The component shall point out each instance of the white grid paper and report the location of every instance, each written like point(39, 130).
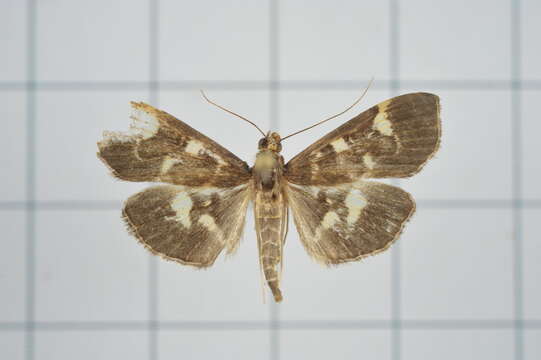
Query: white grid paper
point(461, 283)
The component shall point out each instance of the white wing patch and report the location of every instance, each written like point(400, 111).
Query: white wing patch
point(208, 221)
point(368, 161)
point(381, 122)
point(144, 124)
point(330, 219)
point(168, 163)
point(195, 147)
point(339, 145)
point(182, 204)
point(355, 203)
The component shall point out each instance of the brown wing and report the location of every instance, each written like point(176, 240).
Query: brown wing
point(187, 225)
point(161, 148)
point(393, 139)
point(348, 222)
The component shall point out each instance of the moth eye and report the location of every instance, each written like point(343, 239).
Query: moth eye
point(263, 143)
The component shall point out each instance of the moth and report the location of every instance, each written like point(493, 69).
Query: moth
point(200, 208)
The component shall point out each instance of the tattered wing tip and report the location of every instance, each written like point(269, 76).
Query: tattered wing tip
point(138, 104)
point(142, 106)
point(110, 137)
point(140, 128)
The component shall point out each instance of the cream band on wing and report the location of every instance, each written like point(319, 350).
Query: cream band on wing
point(355, 203)
point(168, 163)
point(381, 122)
point(196, 147)
point(330, 219)
point(182, 204)
point(368, 160)
point(339, 145)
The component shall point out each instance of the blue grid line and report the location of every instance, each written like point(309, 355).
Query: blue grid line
point(396, 293)
point(516, 132)
point(30, 179)
point(153, 279)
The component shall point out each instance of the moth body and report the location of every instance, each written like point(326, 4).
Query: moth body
point(270, 209)
point(197, 209)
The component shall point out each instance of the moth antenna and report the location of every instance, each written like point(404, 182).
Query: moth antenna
point(231, 112)
point(334, 116)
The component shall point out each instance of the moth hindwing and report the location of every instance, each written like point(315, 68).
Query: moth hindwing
point(339, 214)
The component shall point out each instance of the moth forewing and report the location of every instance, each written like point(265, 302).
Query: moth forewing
point(160, 148)
point(393, 139)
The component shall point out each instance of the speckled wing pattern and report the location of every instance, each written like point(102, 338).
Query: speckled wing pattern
point(201, 210)
point(342, 217)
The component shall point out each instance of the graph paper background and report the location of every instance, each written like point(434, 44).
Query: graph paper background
point(463, 281)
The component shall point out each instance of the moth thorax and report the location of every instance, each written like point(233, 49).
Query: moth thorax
point(266, 160)
point(266, 168)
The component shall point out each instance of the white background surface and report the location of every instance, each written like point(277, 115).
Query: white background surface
point(461, 283)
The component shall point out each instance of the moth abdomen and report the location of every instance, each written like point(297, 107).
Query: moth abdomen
point(270, 252)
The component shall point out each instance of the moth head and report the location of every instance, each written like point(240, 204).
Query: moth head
point(271, 141)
